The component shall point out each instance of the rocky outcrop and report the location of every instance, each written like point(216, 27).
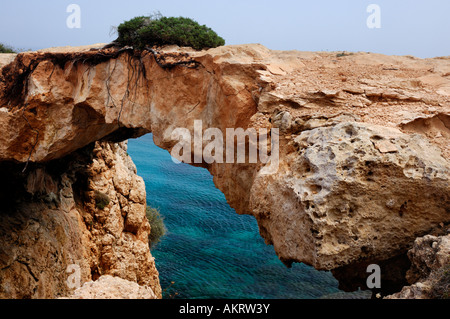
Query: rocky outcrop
point(430, 270)
point(119, 242)
point(108, 287)
point(56, 235)
point(348, 192)
point(364, 146)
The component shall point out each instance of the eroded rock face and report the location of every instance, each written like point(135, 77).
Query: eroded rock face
point(109, 287)
point(349, 192)
point(52, 220)
point(364, 146)
point(429, 274)
point(121, 229)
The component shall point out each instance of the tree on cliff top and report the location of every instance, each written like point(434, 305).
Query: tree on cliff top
point(144, 31)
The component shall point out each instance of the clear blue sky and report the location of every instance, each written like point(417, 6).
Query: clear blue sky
point(416, 27)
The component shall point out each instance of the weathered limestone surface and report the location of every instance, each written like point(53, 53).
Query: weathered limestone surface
point(108, 287)
point(364, 140)
point(429, 274)
point(54, 225)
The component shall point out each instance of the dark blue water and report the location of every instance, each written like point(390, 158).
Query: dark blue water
point(210, 251)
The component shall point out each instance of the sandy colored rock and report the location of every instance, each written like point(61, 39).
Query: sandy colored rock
point(62, 227)
point(108, 287)
point(338, 199)
point(121, 237)
point(430, 258)
point(364, 139)
point(6, 58)
point(386, 147)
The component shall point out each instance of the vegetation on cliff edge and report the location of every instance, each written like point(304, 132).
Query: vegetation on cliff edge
point(101, 200)
point(158, 229)
point(143, 31)
point(6, 49)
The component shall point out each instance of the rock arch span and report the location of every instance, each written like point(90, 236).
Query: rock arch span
point(347, 191)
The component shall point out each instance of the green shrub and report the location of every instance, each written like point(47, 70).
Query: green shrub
point(340, 55)
point(101, 200)
point(144, 31)
point(6, 49)
point(158, 229)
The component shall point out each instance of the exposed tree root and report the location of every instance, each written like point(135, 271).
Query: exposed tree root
point(36, 141)
point(14, 77)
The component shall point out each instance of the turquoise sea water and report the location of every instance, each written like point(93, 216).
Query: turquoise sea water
point(210, 251)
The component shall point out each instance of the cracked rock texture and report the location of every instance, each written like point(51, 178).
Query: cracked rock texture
point(340, 197)
point(364, 141)
point(55, 222)
point(108, 287)
point(429, 274)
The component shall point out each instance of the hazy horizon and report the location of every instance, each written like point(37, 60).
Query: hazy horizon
point(408, 27)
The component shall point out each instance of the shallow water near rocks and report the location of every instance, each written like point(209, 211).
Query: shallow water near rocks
point(210, 251)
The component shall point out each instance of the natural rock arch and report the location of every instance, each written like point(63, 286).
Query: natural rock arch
point(346, 191)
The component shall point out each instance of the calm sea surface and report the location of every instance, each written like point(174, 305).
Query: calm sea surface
point(210, 251)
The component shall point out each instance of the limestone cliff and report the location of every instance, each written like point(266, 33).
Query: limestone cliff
point(429, 274)
point(364, 149)
point(52, 224)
